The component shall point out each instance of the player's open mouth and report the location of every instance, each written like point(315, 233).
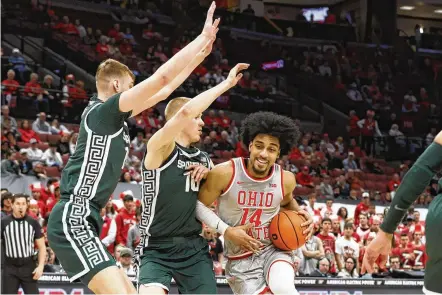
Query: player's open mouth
point(261, 161)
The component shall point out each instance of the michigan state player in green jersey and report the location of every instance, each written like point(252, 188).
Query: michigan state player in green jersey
point(93, 171)
point(413, 184)
point(171, 245)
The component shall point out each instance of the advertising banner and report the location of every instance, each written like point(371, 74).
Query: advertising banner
point(58, 284)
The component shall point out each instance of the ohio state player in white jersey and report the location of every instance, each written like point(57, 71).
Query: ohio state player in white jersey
point(253, 191)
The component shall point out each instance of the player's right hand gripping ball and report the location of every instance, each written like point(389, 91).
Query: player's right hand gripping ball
point(286, 231)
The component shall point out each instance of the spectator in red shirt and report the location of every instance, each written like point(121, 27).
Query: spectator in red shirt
point(33, 88)
point(115, 32)
point(45, 192)
point(125, 218)
point(295, 154)
point(80, 93)
point(50, 203)
point(395, 180)
point(328, 240)
point(102, 48)
point(420, 255)
point(405, 252)
point(150, 33)
point(353, 129)
point(126, 47)
point(200, 70)
point(224, 121)
point(362, 207)
point(357, 151)
point(27, 133)
point(66, 27)
point(36, 195)
point(10, 86)
point(210, 118)
point(304, 178)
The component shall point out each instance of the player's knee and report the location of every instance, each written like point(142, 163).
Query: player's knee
point(282, 279)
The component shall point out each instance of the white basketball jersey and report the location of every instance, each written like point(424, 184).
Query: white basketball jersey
point(251, 200)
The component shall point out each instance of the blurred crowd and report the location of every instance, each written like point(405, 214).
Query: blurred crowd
point(388, 95)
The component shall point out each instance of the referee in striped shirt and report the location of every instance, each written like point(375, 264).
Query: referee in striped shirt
point(19, 235)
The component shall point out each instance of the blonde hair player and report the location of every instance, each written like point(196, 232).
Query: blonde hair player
point(92, 172)
point(170, 244)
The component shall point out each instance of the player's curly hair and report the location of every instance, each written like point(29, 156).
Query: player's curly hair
point(281, 127)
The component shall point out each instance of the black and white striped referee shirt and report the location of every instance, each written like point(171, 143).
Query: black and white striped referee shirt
point(18, 236)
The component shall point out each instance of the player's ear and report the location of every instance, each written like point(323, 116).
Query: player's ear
point(116, 85)
point(250, 146)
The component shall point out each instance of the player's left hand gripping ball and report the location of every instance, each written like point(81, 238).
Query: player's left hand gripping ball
point(308, 232)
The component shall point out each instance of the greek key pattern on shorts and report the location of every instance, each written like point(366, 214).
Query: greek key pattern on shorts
point(80, 232)
point(148, 195)
point(94, 160)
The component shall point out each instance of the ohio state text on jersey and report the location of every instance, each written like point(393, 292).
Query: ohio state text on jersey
point(251, 200)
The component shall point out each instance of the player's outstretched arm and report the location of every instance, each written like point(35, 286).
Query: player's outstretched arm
point(177, 81)
point(161, 144)
point(142, 93)
point(412, 185)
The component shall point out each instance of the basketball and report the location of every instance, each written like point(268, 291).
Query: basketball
point(286, 231)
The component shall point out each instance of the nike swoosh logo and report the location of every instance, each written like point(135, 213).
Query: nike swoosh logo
point(398, 208)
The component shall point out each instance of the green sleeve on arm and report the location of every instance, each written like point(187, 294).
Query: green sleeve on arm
point(106, 119)
point(413, 184)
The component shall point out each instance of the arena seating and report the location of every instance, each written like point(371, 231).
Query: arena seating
point(319, 70)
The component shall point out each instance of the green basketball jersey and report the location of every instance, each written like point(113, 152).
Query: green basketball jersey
point(169, 196)
point(93, 171)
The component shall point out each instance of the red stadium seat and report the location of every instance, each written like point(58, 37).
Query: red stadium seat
point(53, 138)
point(52, 172)
point(23, 145)
point(43, 146)
point(43, 137)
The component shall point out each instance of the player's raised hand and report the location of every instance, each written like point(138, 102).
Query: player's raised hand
point(308, 232)
point(198, 172)
point(235, 75)
point(210, 27)
point(238, 235)
point(379, 247)
point(207, 49)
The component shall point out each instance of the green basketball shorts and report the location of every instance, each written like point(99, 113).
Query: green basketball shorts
point(73, 233)
point(186, 260)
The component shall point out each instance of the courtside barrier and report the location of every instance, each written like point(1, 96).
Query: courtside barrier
point(58, 284)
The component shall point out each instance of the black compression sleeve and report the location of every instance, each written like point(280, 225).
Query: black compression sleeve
point(413, 184)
